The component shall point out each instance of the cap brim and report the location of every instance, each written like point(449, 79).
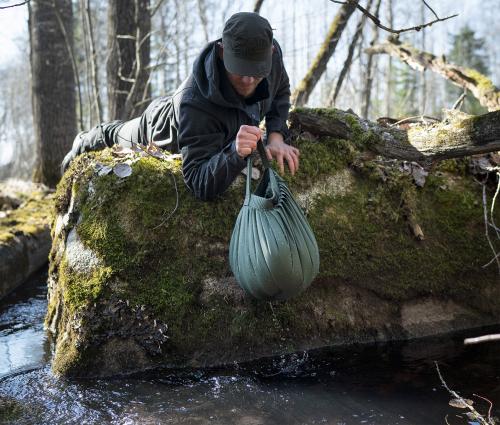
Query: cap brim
point(247, 67)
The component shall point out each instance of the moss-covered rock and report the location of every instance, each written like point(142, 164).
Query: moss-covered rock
point(10, 410)
point(24, 232)
point(150, 284)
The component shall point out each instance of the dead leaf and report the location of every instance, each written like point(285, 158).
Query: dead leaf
point(122, 170)
point(120, 151)
point(460, 403)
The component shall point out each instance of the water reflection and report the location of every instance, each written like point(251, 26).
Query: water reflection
point(383, 384)
point(23, 343)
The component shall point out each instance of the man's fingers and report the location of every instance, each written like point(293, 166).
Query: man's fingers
point(269, 154)
point(291, 163)
point(295, 159)
point(281, 167)
point(252, 130)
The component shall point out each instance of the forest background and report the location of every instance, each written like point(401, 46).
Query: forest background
point(179, 30)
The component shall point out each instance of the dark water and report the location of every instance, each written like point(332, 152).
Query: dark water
point(381, 384)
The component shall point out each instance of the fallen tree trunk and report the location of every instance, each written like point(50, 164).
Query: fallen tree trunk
point(478, 84)
point(457, 136)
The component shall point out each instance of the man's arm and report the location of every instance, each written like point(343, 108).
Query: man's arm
point(209, 165)
point(277, 129)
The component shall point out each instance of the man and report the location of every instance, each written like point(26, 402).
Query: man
point(213, 117)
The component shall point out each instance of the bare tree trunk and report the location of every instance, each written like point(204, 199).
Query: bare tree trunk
point(257, 6)
point(93, 63)
point(53, 86)
point(129, 28)
point(479, 85)
point(203, 18)
point(369, 70)
point(347, 64)
point(460, 135)
point(423, 89)
point(389, 86)
point(306, 86)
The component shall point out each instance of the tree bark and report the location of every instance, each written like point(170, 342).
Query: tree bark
point(458, 136)
point(478, 84)
point(306, 86)
point(94, 71)
point(129, 27)
point(257, 6)
point(367, 91)
point(53, 86)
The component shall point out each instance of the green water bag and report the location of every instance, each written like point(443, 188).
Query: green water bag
point(273, 252)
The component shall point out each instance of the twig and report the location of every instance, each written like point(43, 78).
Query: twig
point(491, 405)
point(15, 5)
point(155, 8)
point(493, 202)
point(487, 233)
point(417, 117)
point(479, 339)
point(430, 8)
point(391, 30)
point(479, 417)
point(459, 101)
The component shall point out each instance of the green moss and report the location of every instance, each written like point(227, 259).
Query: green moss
point(31, 218)
point(482, 81)
point(160, 243)
point(10, 410)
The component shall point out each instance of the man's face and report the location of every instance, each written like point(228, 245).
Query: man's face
point(243, 85)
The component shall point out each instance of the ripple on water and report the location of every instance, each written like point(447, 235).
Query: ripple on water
point(382, 384)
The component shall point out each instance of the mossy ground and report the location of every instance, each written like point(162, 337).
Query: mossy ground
point(10, 410)
point(30, 218)
point(160, 244)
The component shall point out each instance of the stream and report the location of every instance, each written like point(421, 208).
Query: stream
point(394, 383)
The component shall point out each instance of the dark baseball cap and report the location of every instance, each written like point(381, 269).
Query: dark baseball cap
point(248, 45)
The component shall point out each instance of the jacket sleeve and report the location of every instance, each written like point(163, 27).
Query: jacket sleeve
point(278, 113)
point(209, 163)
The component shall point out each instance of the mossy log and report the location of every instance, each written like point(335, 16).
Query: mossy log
point(457, 136)
point(478, 84)
point(139, 274)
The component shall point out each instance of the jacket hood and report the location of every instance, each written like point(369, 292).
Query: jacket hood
point(213, 86)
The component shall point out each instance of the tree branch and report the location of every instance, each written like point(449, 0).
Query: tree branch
point(478, 84)
point(15, 5)
point(391, 30)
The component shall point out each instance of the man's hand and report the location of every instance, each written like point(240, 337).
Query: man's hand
point(246, 140)
point(277, 148)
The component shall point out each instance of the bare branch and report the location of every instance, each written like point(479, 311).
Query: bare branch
point(155, 8)
point(477, 415)
point(484, 338)
point(459, 101)
point(490, 403)
point(430, 8)
point(15, 5)
point(257, 6)
point(391, 30)
point(486, 230)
